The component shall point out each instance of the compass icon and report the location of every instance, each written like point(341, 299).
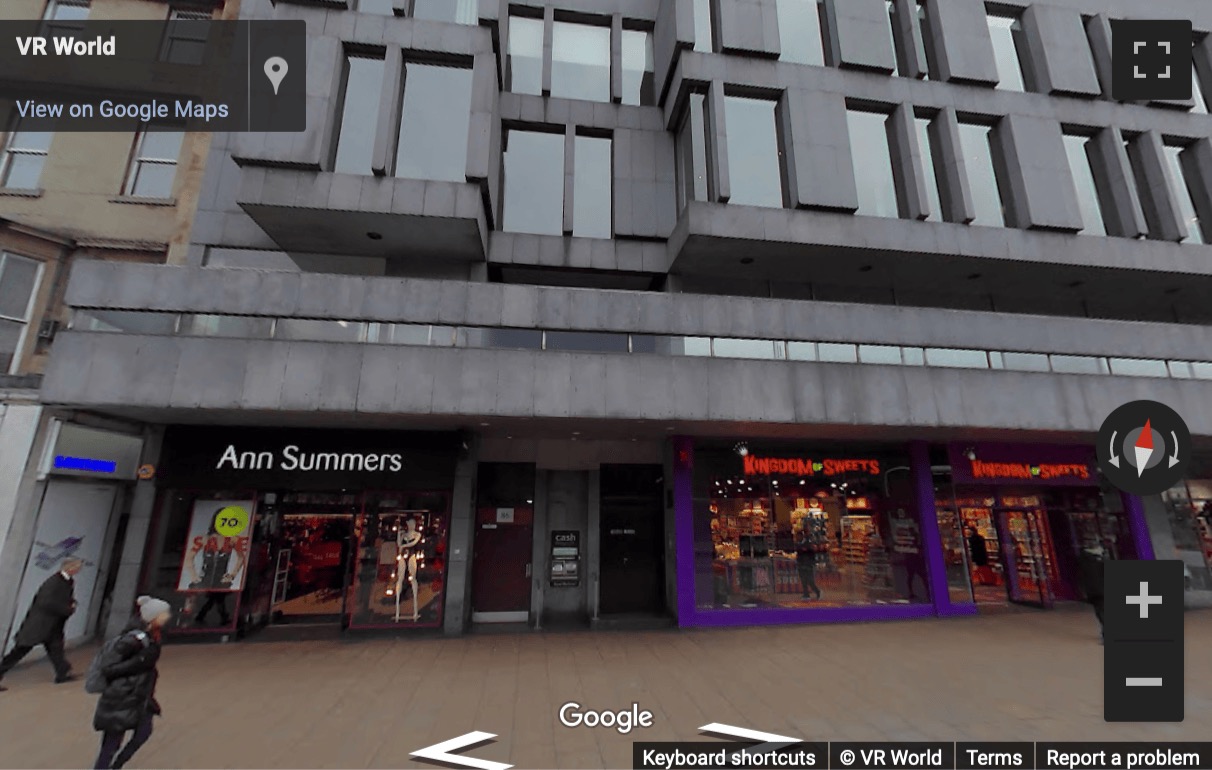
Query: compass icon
point(1143, 447)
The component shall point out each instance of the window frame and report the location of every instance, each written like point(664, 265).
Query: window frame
point(51, 23)
point(138, 161)
point(898, 203)
point(348, 53)
point(421, 59)
point(30, 304)
point(7, 151)
point(1022, 70)
point(176, 13)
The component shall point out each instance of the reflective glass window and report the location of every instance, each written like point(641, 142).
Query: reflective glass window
point(580, 61)
point(982, 178)
point(800, 32)
point(359, 114)
point(525, 55)
point(872, 162)
point(534, 183)
point(1005, 30)
point(702, 26)
point(591, 190)
point(434, 123)
point(24, 155)
point(753, 147)
point(456, 11)
point(638, 85)
point(1083, 182)
point(589, 342)
point(692, 154)
point(1179, 187)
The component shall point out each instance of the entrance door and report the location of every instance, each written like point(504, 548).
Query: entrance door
point(312, 558)
point(1028, 550)
point(501, 564)
point(633, 532)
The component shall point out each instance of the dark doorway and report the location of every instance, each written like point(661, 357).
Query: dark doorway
point(504, 542)
point(633, 534)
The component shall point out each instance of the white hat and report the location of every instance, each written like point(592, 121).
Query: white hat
point(151, 608)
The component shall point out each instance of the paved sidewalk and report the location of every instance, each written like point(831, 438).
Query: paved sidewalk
point(368, 703)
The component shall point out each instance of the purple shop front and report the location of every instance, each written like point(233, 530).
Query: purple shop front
point(781, 532)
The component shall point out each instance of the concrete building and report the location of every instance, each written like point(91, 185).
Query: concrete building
point(67, 197)
point(730, 311)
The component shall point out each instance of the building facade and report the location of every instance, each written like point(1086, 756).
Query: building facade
point(726, 311)
point(67, 197)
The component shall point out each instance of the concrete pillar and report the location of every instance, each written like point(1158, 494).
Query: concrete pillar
point(683, 506)
point(859, 35)
point(570, 158)
point(548, 37)
point(718, 174)
point(911, 194)
point(592, 558)
point(670, 540)
point(954, 190)
point(910, 46)
point(932, 544)
point(1060, 63)
point(391, 96)
point(959, 36)
point(616, 58)
point(539, 559)
point(457, 613)
point(134, 547)
point(1098, 32)
point(1148, 157)
point(1034, 170)
point(1117, 194)
point(815, 139)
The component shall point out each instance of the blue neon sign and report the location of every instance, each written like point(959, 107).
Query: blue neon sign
point(85, 464)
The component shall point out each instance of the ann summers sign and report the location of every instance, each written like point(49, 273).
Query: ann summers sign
point(269, 458)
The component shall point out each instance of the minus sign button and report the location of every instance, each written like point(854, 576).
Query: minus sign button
point(1143, 681)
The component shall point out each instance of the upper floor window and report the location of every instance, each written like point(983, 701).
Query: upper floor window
point(800, 32)
point(872, 163)
point(925, 143)
point(380, 7)
point(692, 153)
point(1180, 188)
point(1083, 181)
point(359, 113)
point(580, 61)
point(982, 177)
point(24, 155)
point(525, 55)
point(1197, 92)
point(533, 199)
point(434, 123)
point(1006, 31)
point(591, 188)
point(753, 152)
point(897, 44)
point(638, 85)
point(185, 37)
point(65, 16)
point(703, 36)
point(18, 282)
point(455, 11)
point(153, 166)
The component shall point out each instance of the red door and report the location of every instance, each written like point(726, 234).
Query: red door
point(500, 566)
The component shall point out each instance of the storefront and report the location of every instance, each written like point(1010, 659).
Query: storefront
point(778, 532)
point(323, 527)
point(1188, 508)
point(1014, 519)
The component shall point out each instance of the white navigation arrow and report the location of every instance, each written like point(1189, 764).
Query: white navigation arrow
point(1114, 456)
point(773, 742)
point(442, 752)
point(1174, 457)
point(1143, 453)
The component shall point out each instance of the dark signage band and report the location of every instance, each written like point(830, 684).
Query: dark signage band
point(1101, 755)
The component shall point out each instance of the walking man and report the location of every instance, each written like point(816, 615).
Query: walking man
point(1091, 562)
point(52, 606)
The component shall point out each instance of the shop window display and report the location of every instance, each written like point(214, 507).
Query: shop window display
point(1189, 509)
point(799, 529)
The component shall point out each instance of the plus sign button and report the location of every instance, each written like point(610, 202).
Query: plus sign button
point(1151, 60)
point(1144, 600)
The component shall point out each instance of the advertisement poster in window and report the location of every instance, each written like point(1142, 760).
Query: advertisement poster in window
point(217, 546)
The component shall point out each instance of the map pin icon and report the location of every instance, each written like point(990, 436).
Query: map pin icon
point(275, 70)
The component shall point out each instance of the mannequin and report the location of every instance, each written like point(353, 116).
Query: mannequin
point(407, 539)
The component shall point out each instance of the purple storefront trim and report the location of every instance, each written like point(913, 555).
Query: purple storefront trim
point(683, 523)
point(769, 616)
point(1135, 510)
point(932, 541)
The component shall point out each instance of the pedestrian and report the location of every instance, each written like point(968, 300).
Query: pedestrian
point(979, 552)
point(1092, 562)
point(48, 613)
point(128, 701)
point(805, 562)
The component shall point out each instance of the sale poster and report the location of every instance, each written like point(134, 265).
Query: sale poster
point(217, 546)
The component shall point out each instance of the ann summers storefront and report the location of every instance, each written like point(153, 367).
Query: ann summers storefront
point(324, 527)
point(786, 532)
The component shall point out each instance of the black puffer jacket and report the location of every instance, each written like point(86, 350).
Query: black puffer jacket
point(130, 690)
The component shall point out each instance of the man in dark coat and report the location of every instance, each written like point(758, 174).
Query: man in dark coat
point(48, 613)
point(1091, 562)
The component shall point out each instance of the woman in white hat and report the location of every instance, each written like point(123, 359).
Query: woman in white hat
point(129, 699)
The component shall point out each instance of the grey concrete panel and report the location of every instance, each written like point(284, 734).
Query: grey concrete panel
point(378, 379)
point(548, 36)
point(1060, 62)
point(959, 35)
point(616, 58)
point(1149, 165)
point(820, 173)
point(1196, 161)
point(719, 186)
point(954, 189)
point(1035, 170)
point(553, 386)
point(911, 194)
point(907, 29)
point(1098, 32)
point(1117, 195)
point(741, 27)
point(570, 145)
point(207, 378)
point(418, 379)
point(860, 35)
